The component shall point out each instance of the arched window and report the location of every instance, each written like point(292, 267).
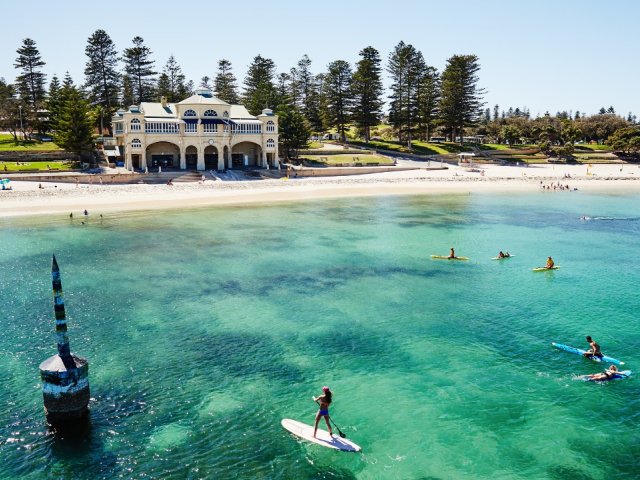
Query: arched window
point(271, 127)
point(189, 113)
point(271, 143)
point(136, 143)
point(210, 113)
point(135, 125)
point(225, 114)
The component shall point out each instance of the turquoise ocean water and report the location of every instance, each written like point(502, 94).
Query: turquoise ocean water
point(205, 328)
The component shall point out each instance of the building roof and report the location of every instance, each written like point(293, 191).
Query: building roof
point(239, 112)
point(156, 110)
point(198, 99)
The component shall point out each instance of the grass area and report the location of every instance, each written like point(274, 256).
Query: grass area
point(313, 145)
point(7, 145)
point(40, 166)
point(420, 148)
point(500, 146)
point(593, 147)
point(342, 159)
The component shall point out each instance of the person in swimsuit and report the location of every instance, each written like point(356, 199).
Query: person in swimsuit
point(608, 374)
point(594, 351)
point(324, 401)
point(503, 255)
point(550, 263)
point(452, 253)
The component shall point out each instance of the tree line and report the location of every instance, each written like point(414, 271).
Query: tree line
point(421, 100)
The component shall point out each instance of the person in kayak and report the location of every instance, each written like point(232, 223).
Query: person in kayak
point(550, 263)
point(594, 350)
point(609, 374)
point(452, 253)
point(324, 401)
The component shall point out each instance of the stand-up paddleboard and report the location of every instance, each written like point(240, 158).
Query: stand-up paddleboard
point(617, 376)
point(579, 351)
point(502, 258)
point(444, 257)
point(542, 269)
point(305, 432)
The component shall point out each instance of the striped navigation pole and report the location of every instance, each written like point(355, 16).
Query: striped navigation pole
point(65, 376)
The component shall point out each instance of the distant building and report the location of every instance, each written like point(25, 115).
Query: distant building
point(199, 133)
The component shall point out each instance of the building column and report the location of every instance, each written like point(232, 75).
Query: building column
point(183, 157)
point(127, 158)
point(200, 165)
point(143, 158)
point(265, 162)
point(276, 157)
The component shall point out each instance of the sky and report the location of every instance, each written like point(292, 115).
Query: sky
point(540, 54)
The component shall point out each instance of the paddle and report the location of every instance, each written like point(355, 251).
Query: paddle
point(342, 435)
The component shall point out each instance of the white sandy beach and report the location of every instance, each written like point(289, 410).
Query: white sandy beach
point(27, 198)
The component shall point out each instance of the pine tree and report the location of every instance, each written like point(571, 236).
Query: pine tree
point(30, 82)
point(9, 110)
point(259, 90)
point(293, 131)
point(225, 84)
point(406, 66)
point(171, 83)
point(205, 82)
point(338, 96)
point(53, 100)
point(139, 69)
point(367, 91)
point(283, 90)
point(428, 99)
point(102, 79)
point(128, 98)
point(308, 93)
point(461, 98)
point(74, 125)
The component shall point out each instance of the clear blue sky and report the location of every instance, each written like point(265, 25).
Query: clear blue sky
point(540, 54)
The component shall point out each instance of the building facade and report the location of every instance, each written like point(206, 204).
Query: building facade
point(199, 133)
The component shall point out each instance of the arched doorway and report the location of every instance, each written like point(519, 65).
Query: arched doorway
point(163, 154)
point(210, 158)
point(191, 157)
point(246, 154)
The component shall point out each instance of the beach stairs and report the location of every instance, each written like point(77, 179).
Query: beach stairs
point(176, 176)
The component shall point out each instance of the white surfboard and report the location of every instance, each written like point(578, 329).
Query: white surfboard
point(323, 438)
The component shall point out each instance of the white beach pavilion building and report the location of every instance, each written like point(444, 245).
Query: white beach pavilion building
point(199, 133)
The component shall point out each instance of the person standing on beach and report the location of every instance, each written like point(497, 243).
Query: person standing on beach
point(324, 401)
point(594, 350)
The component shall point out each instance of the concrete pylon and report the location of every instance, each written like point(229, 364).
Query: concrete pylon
point(65, 376)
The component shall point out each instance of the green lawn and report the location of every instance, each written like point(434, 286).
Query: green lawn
point(593, 147)
point(40, 166)
point(342, 159)
point(500, 146)
point(420, 148)
point(313, 145)
point(7, 144)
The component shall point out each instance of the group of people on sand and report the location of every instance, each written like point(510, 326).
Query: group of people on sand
point(556, 186)
point(594, 351)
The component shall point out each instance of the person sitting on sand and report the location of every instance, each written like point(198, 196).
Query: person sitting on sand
point(608, 374)
point(550, 263)
point(170, 182)
point(594, 350)
point(324, 401)
point(452, 253)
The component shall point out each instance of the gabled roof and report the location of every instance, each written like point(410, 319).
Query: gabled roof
point(156, 110)
point(200, 100)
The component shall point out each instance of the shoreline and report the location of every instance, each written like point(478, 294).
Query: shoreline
point(27, 199)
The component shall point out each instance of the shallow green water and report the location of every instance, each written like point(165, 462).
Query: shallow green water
point(205, 328)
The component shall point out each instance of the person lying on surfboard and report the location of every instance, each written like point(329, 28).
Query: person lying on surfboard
point(594, 351)
point(550, 263)
point(324, 401)
point(452, 253)
point(608, 374)
point(503, 255)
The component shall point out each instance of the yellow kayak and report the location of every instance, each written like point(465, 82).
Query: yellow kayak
point(445, 257)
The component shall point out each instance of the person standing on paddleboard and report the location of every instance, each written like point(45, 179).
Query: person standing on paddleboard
point(452, 253)
point(324, 401)
point(594, 351)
